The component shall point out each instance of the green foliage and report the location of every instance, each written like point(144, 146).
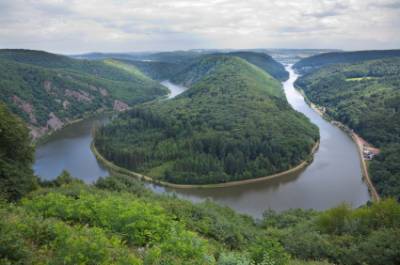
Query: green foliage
point(385, 171)
point(132, 222)
point(232, 258)
point(287, 219)
point(320, 60)
point(180, 248)
point(158, 70)
point(265, 62)
point(27, 239)
point(208, 219)
point(346, 236)
point(308, 262)
point(123, 183)
point(78, 224)
point(268, 252)
point(221, 224)
point(366, 97)
point(63, 179)
point(137, 223)
point(16, 157)
point(34, 84)
point(234, 123)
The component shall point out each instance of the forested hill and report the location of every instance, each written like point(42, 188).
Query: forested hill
point(314, 62)
point(168, 67)
point(233, 123)
point(265, 62)
point(158, 70)
point(200, 67)
point(48, 90)
point(366, 97)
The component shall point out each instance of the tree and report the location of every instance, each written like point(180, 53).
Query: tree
point(16, 157)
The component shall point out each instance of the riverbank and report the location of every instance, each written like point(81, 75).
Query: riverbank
point(356, 139)
point(114, 168)
point(44, 138)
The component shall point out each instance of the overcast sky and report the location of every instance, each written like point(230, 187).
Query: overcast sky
point(77, 26)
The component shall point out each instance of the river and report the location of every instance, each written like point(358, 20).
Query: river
point(333, 177)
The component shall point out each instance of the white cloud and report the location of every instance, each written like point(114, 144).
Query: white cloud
point(72, 26)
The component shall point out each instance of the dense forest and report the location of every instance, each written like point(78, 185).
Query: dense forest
point(158, 70)
point(233, 123)
point(312, 63)
point(263, 61)
point(119, 221)
point(16, 157)
point(47, 90)
point(366, 97)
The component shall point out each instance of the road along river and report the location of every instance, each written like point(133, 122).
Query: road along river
point(333, 177)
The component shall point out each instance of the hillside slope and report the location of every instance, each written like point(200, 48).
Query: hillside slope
point(314, 62)
point(265, 62)
point(48, 90)
point(233, 123)
point(366, 97)
point(158, 70)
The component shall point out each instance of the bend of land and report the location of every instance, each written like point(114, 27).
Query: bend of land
point(232, 124)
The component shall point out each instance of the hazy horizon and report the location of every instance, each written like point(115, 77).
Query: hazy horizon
point(75, 27)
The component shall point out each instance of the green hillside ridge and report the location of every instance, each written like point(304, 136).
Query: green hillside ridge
point(312, 63)
point(366, 97)
point(119, 221)
point(265, 62)
point(162, 70)
point(233, 123)
point(158, 70)
point(49, 90)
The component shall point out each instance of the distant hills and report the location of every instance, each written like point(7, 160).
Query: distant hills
point(49, 90)
point(285, 56)
point(317, 61)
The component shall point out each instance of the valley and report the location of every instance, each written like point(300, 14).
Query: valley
point(307, 212)
point(212, 132)
point(335, 169)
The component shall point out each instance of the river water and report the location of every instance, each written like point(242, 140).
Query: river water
point(333, 177)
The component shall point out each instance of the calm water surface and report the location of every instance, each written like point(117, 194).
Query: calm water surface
point(333, 177)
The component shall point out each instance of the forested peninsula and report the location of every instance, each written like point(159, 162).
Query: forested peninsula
point(233, 123)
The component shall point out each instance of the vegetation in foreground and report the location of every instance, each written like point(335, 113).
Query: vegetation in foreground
point(119, 221)
point(233, 123)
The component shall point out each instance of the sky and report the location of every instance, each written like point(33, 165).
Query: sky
point(79, 26)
